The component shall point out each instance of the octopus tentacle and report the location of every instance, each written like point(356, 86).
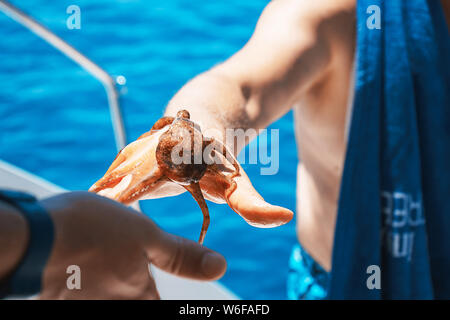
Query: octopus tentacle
point(196, 192)
point(228, 155)
point(161, 123)
point(104, 183)
point(111, 179)
point(120, 157)
point(138, 191)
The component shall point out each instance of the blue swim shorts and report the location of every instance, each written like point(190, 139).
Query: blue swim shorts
point(307, 280)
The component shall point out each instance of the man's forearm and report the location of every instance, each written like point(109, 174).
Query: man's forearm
point(13, 238)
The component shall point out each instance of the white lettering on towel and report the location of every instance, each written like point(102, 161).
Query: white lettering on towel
point(402, 215)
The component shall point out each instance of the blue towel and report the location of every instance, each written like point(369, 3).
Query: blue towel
point(394, 205)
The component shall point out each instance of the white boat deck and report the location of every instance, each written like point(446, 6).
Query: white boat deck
point(169, 286)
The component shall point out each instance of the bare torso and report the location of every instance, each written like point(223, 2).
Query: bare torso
point(320, 124)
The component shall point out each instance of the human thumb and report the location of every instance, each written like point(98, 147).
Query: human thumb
point(186, 258)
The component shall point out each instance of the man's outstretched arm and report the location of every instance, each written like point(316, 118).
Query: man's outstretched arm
point(287, 53)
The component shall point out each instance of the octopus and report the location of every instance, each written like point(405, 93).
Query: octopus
point(175, 156)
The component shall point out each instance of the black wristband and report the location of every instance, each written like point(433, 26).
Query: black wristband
point(27, 278)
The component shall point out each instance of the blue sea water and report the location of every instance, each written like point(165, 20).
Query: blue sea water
point(54, 118)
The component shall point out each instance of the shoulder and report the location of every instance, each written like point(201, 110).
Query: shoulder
point(320, 16)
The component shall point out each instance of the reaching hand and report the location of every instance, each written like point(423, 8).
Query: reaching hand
point(112, 245)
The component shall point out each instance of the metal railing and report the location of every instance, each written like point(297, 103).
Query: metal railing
point(108, 82)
